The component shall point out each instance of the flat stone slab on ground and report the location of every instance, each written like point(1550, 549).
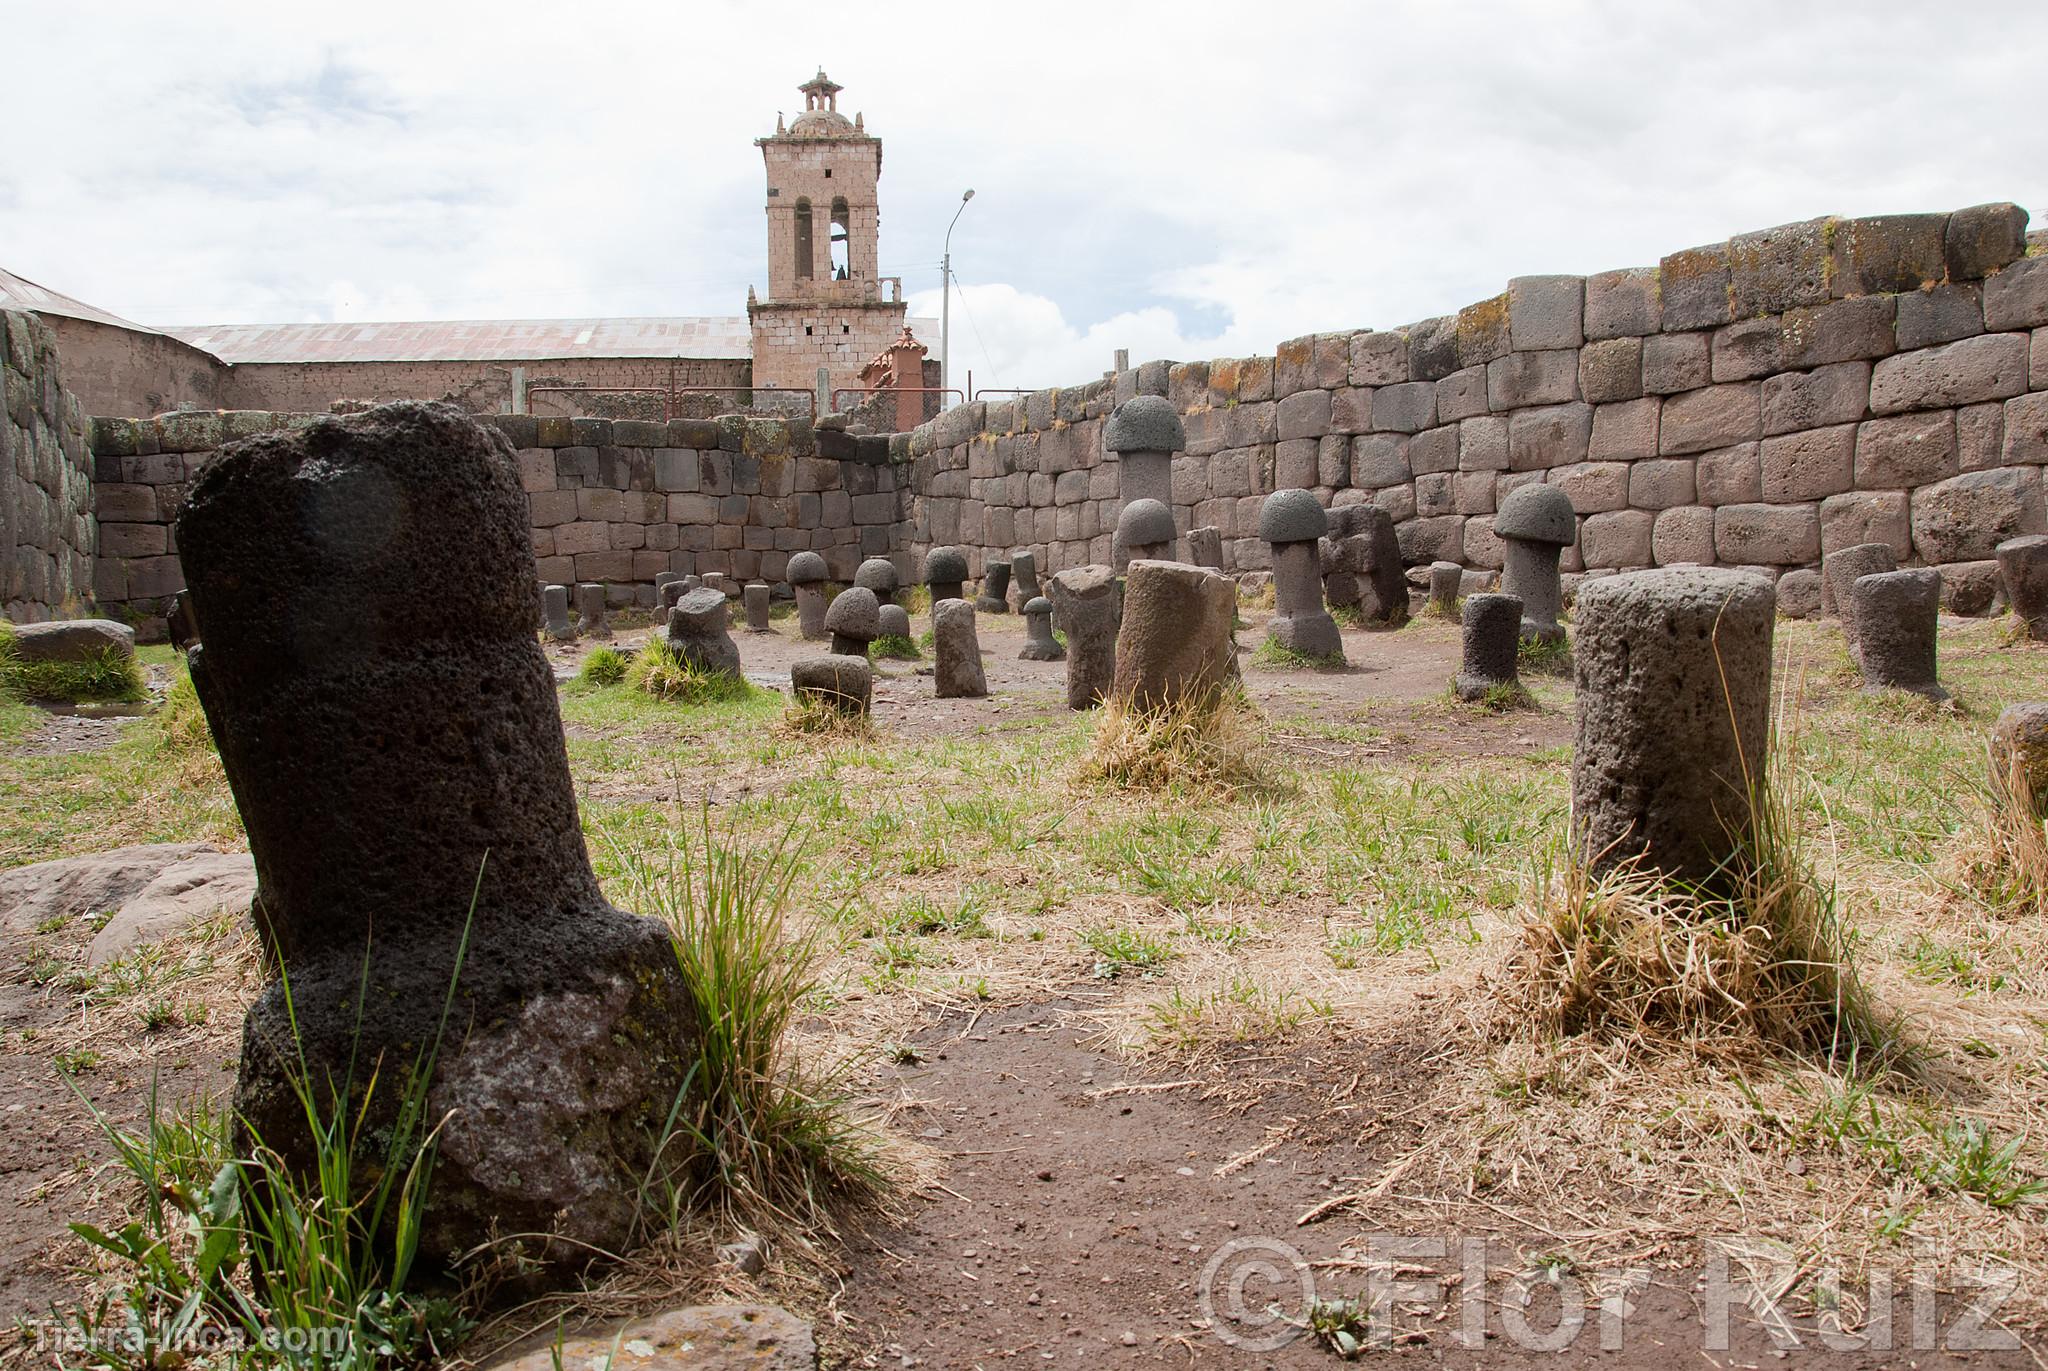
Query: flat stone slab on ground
point(713, 1337)
point(70, 887)
point(182, 895)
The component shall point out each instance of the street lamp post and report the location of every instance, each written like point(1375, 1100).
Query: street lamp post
point(946, 300)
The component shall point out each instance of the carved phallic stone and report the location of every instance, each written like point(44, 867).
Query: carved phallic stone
point(1086, 607)
point(405, 789)
point(853, 621)
point(755, 599)
point(1039, 644)
point(847, 684)
point(1896, 613)
point(807, 576)
point(1145, 431)
point(1537, 524)
point(1361, 561)
point(2023, 568)
point(1492, 638)
point(2019, 751)
point(995, 589)
point(1175, 643)
point(590, 621)
point(892, 621)
point(1665, 752)
point(1446, 588)
point(1840, 570)
point(1205, 547)
point(554, 601)
point(1024, 586)
point(1293, 523)
point(699, 634)
point(877, 574)
point(1144, 529)
point(945, 572)
point(956, 652)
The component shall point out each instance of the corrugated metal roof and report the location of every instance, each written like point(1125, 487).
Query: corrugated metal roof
point(474, 340)
point(19, 293)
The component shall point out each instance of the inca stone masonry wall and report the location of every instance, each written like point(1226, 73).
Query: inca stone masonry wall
point(46, 525)
point(1751, 403)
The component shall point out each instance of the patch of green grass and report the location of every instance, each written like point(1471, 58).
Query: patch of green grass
point(895, 647)
point(1273, 653)
point(659, 670)
point(1544, 657)
point(603, 666)
point(1239, 1011)
point(1119, 951)
point(105, 674)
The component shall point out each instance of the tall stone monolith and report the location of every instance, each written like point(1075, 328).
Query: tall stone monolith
point(1085, 607)
point(1175, 645)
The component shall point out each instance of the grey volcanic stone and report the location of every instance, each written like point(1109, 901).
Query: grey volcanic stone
point(1492, 637)
point(1446, 584)
point(1292, 516)
point(995, 589)
point(422, 756)
point(725, 1337)
point(1966, 517)
point(72, 887)
point(1981, 239)
point(957, 652)
point(698, 632)
point(804, 568)
point(1039, 644)
point(1840, 570)
point(1176, 641)
point(1024, 587)
point(2023, 568)
point(554, 602)
point(1799, 593)
point(1895, 614)
point(2019, 744)
point(853, 621)
point(1536, 523)
point(845, 683)
point(182, 895)
point(1144, 423)
point(72, 640)
point(1663, 755)
point(945, 571)
point(807, 575)
point(1205, 547)
point(1086, 607)
point(1361, 563)
point(755, 599)
point(669, 593)
point(877, 574)
point(892, 621)
point(1143, 529)
point(590, 621)
point(1537, 513)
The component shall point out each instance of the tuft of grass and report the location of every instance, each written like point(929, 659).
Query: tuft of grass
point(896, 647)
point(1275, 654)
point(1504, 698)
point(2003, 854)
point(1544, 657)
point(105, 675)
point(1119, 951)
point(181, 722)
point(1209, 742)
point(810, 716)
point(660, 671)
point(604, 666)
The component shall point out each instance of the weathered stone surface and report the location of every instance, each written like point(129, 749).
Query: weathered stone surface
point(1610, 370)
point(1982, 239)
point(2017, 297)
point(1776, 269)
point(699, 631)
point(2023, 569)
point(1906, 450)
point(361, 736)
point(1710, 418)
point(1205, 547)
point(1674, 362)
point(995, 588)
point(1292, 516)
point(590, 620)
point(1144, 423)
point(1625, 431)
point(1145, 529)
point(1175, 643)
point(1732, 475)
point(1363, 546)
point(844, 683)
point(1406, 408)
point(2025, 440)
point(1535, 522)
point(1039, 644)
point(1840, 571)
point(1446, 588)
point(1546, 312)
point(73, 887)
point(1539, 513)
point(1866, 516)
point(1835, 394)
point(956, 651)
point(1623, 304)
point(1086, 607)
point(1971, 588)
point(1940, 314)
point(1663, 483)
point(2019, 751)
point(1895, 615)
point(1300, 623)
point(183, 894)
point(1886, 253)
point(1809, 464)
point(1663, 754)
point(1799, 593)
point(555, 613)
point(1843, 331)
point(1549, 436)
point(72, 640)
point(1766, 535)
point(1991, 367)
point(1685, 534)
point(1024, 586)
point(1493, 629)
point(1693, 286)
point(702, 1338)
point(892, 621)
point(1532, 378)
point(805, 568)
point(877, 575)
point(1966, 517)
point(853, 621)
point(1618, 538)
point(1746, 349)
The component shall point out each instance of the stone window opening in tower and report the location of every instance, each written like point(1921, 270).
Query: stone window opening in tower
point(842, 248)
point(803, 238)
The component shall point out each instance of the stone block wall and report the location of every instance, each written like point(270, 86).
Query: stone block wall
point(1751, 403)
point(615, 501)
point(47, 534)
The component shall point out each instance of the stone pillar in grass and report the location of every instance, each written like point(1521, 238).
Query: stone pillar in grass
point(956, 652)
point(945, 572)
point(1895, 613)
point(1446, 588)
point(807, 576)
point(877, 574)
point(590, 620)
point(2023, 569)
point(1175, 644)
point(1537, 524)
point(844, 683)
point(1492, 639)
point(1086, 607)
point(1039, 644)
point(1673, 672)
point(1143, 530)
point(755, 599)
point(1144, 432)
point(1205, 547)
point(853, 621)
point(995, 589)
point(2019, 752)
point(1361, 561)
point(1840, 570)
point(392, 769)
point(698, 631)
point(554, 602)
point(1293, 523)
point(1024, 587)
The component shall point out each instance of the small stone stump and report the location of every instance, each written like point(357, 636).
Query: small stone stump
point(878, 575)
point(957, 652)
point(755, 599)
point(1143, 530)
point(590, 620)
point(1446, 582)
point(405, 789)
point(945, 572)
point(669, 593)
point(1175, 645)
point(2019, 752)
point(1895, 613)
point(1293, 523)
point(1663, 757)
point(853, 621)
point(807, 576)
point(1144, 432)
point(892, 621)
point(698, 632)
point(1840, 570)
point(1537, 524)
point(2023, 569)
point(1039, 644)
point(995, 589)
point(1361, 561)
point(846, 684)
point(1086, 607)
point(554, 608)
point(1024, 587)
point(1492, 640)
point(1205, 547)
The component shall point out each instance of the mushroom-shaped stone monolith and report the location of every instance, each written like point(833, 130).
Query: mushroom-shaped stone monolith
point(590, 621)
point(1175, 645)
point(1673, 673)
point(1086, 607)
point(877, 574)
point(1024, 586)
point(807, 575)
point(1293, 523)
point(1492, 640)
point(1361, 561)
point(554, 604)
point(1537, 524)
point(698, 631)
point(1446, 588)
point(1895, 613)
point(892, 621)
point(853, 621)
point(945, 572)
point(2019, 754)
point(847, 684)
point(995, 588)
point(956, 652)
point(1144, 432)
point(755, 599)
point(1840, 570)
point(2023, 568)
point(1039, 644)
point(1205, 547)
point(406, 794)
point(1144, 529)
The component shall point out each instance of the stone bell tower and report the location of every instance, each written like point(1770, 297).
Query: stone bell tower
point(826, 305)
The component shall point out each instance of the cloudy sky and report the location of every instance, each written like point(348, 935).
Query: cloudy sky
point(1184, 180)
